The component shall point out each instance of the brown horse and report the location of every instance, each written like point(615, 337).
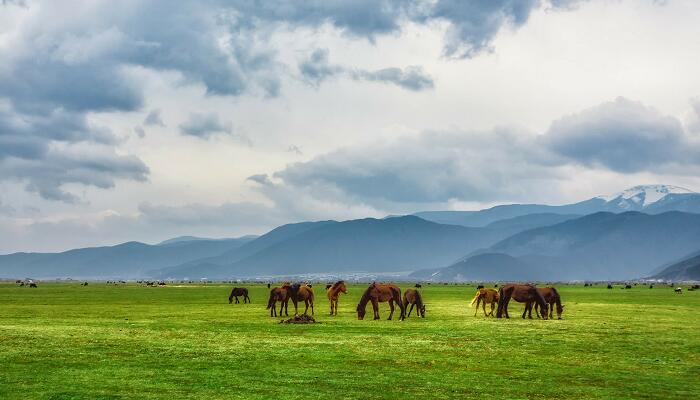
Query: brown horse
point(522, 294)
point(551, 296)
point(333, 292)
point(239, 291)
point(485, 296)
point(280, 294)
point(298, 292)
point(377, 293)
point(414, 298)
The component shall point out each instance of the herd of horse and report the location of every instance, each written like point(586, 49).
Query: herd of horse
point(545, 300)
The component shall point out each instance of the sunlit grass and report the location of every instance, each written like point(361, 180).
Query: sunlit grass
point(68, 341)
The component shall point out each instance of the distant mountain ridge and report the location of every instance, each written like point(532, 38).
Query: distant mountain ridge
point(600, 246)
point(651, 199)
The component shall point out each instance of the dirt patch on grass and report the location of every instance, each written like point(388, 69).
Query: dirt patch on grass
point(300, 319)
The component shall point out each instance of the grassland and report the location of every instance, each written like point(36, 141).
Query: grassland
point(64, 341)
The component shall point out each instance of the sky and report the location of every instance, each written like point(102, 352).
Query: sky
point(146, 120)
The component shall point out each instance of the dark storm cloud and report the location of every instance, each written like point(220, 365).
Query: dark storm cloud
point(317, 68)
point(204, 125)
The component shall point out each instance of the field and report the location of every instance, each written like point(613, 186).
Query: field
point(64, 341)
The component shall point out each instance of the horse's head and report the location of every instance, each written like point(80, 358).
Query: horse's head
point(360, 312)
point(560, 310)
point(422, 310)
point(342, 287)
point(544, 311)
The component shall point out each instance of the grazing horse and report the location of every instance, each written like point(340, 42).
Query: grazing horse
point(678, 290)
point(239, 291)
point(280, 294)
point(551, 296)
point(333, 292)
point(414, 298)
point(522, 294)
point(485, 296)
point(377, 293)
point(299, 292)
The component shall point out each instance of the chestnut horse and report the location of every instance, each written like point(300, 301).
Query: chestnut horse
point(522, 294)
point(377, 293)
point(485, 296)
point(298, 292)
point(333, 292)
point(239, 291)
point(551, 296)
point(414, 298)
point(280, 294)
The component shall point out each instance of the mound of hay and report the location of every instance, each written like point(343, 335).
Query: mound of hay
point(300, 319)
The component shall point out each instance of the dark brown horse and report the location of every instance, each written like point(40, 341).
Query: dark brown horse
point(239, 291)
point(377, 293)
point(333, 292)
point(278, 294)
point(414, 298)
point(485, 296)
point(551, 296)
point(298, 292)
point(522, 294)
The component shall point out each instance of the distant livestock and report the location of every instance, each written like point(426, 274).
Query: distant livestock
point(379, 293)
point(333, 292)
point(414, 298)
point(485, 296)
point(678, 290)
point(481, 287)
point(523, 294)
point(628, 286)
point(32, 285)
point(609, 286)
point(235, 292)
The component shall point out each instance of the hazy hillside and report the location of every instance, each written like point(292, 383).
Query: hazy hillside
point(606, 245)
point(127, 260)
point(685, 270)
point(487, 267)
point(378, 245)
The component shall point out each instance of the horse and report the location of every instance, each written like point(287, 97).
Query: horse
point(485, 296)
point(678, 290)
point(551, 296)
point(280, 294)
point(414, 298)
point(299, 292)
point(333, 292)
point(522, 294)
point(239, 291)
point(377, 293)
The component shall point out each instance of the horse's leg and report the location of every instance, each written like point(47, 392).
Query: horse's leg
point(409, 310)
point(525, 311)
point(391, 308)
point(375, 308)
point(493, 307)
point(306, 303)
point(312, 306)
point(537, 310)
point(483, 306)
point(505, 307)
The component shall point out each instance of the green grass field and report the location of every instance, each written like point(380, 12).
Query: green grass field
point(64, 341)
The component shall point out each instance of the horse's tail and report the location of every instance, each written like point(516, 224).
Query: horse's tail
point(476, 297)
point(271, 301)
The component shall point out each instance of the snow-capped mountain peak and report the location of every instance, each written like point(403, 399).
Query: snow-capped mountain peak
point(644, 195)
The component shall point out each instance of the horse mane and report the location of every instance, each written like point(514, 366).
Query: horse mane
point(540, 299)
point(335, 285)
point(557, 298)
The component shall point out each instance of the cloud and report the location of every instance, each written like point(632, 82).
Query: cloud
point(623, 136)
point(204, 125)
point(502, 164)
point(317, 68)
point(139, 132)
point(153, 118)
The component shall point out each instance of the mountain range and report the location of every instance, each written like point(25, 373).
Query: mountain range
point(636, 233)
